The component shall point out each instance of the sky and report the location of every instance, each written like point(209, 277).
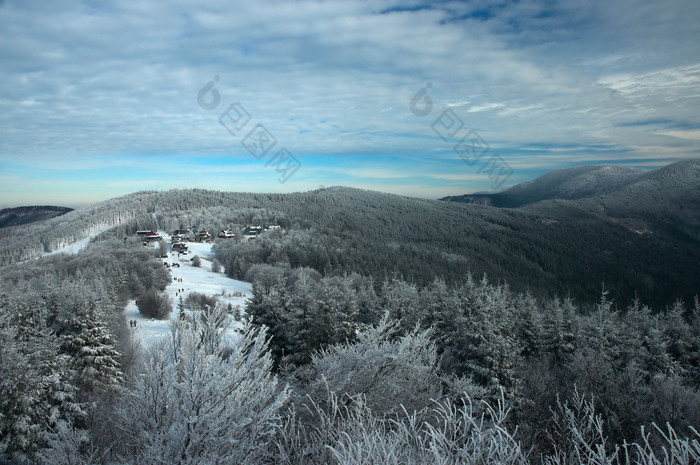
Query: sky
point(426, 99)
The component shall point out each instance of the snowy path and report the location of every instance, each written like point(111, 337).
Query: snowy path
point(194, 279)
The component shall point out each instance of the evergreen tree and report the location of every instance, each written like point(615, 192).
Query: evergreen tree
point(559, 331)
point(36, 394)
point(96, 360)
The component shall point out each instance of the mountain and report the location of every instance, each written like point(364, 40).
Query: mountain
point(570, 184)
point(24, 215)
point(636, 233)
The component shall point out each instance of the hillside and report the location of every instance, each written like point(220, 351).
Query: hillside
point(25, 215)
point(639, 238)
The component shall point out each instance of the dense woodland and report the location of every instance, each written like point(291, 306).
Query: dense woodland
point(453, 334)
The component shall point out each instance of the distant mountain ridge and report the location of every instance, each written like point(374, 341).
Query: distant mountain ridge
point(25, 215)
point(565, 184)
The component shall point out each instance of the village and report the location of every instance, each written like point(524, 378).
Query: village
point(179, 238)
point(188, 276)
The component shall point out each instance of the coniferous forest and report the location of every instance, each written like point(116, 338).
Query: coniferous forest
point(379, 329)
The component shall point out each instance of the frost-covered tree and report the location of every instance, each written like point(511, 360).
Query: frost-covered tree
point(271, 310)
point(392, 372)
point(36, 394)
point(401, 300)
point(162, 247)
point(312, 324)
point(193, 406)
point(559, 330)
point(96, 360)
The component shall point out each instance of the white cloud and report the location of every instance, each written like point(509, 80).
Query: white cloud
point(104, 83)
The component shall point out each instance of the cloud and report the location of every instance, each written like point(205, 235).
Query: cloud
point(104, 85)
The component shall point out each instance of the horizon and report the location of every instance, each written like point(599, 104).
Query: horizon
point(421, 99)
point(87, 205)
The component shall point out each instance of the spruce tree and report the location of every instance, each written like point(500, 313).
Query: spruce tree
point(95, 358)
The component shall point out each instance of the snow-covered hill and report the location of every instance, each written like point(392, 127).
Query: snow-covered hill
point(186, 279)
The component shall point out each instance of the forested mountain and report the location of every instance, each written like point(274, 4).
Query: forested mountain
point(639, 239)
point(24, 215)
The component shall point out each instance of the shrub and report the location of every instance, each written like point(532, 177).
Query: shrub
point(199, 301)
point(216, 266)
point(153, 304)
point(196, 261)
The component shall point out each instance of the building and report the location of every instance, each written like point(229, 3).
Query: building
point(152, 236)
point(203, 236)
point(179, 247)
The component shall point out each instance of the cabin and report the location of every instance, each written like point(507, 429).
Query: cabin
point(179, 247)
point(226, 234)
point(251, 232)
point(152, 236)
point(144, 233)
point(272, 227)
point(202, 236)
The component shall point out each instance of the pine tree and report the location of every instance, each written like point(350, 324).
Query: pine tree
point(272, 311)
point(36, 394)
point(528, 326)
point(559, 331)
point(95, 358)
point(310, 322)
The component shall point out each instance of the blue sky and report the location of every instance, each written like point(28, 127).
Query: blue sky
point(99, 99)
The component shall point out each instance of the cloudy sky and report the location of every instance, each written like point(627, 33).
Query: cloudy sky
point(427, 99)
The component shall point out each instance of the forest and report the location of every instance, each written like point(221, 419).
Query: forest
point(380, 329)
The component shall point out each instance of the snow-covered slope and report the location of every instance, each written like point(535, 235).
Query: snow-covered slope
point(194, 279)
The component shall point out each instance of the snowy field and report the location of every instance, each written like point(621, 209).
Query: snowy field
point(194, 279)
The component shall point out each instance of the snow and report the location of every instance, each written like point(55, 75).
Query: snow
point(79, 245)
point(194, 279)
point(73, 248)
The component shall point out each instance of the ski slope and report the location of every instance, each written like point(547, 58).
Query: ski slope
point(202, 280)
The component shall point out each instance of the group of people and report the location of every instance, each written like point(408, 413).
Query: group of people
point(132, 323)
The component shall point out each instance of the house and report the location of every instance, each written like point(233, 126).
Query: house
point(179, 246)
point(203, 236)
point(226, 234)
point(272, 227)
point(152, 236)
point(251, 232)
point(144, 233)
